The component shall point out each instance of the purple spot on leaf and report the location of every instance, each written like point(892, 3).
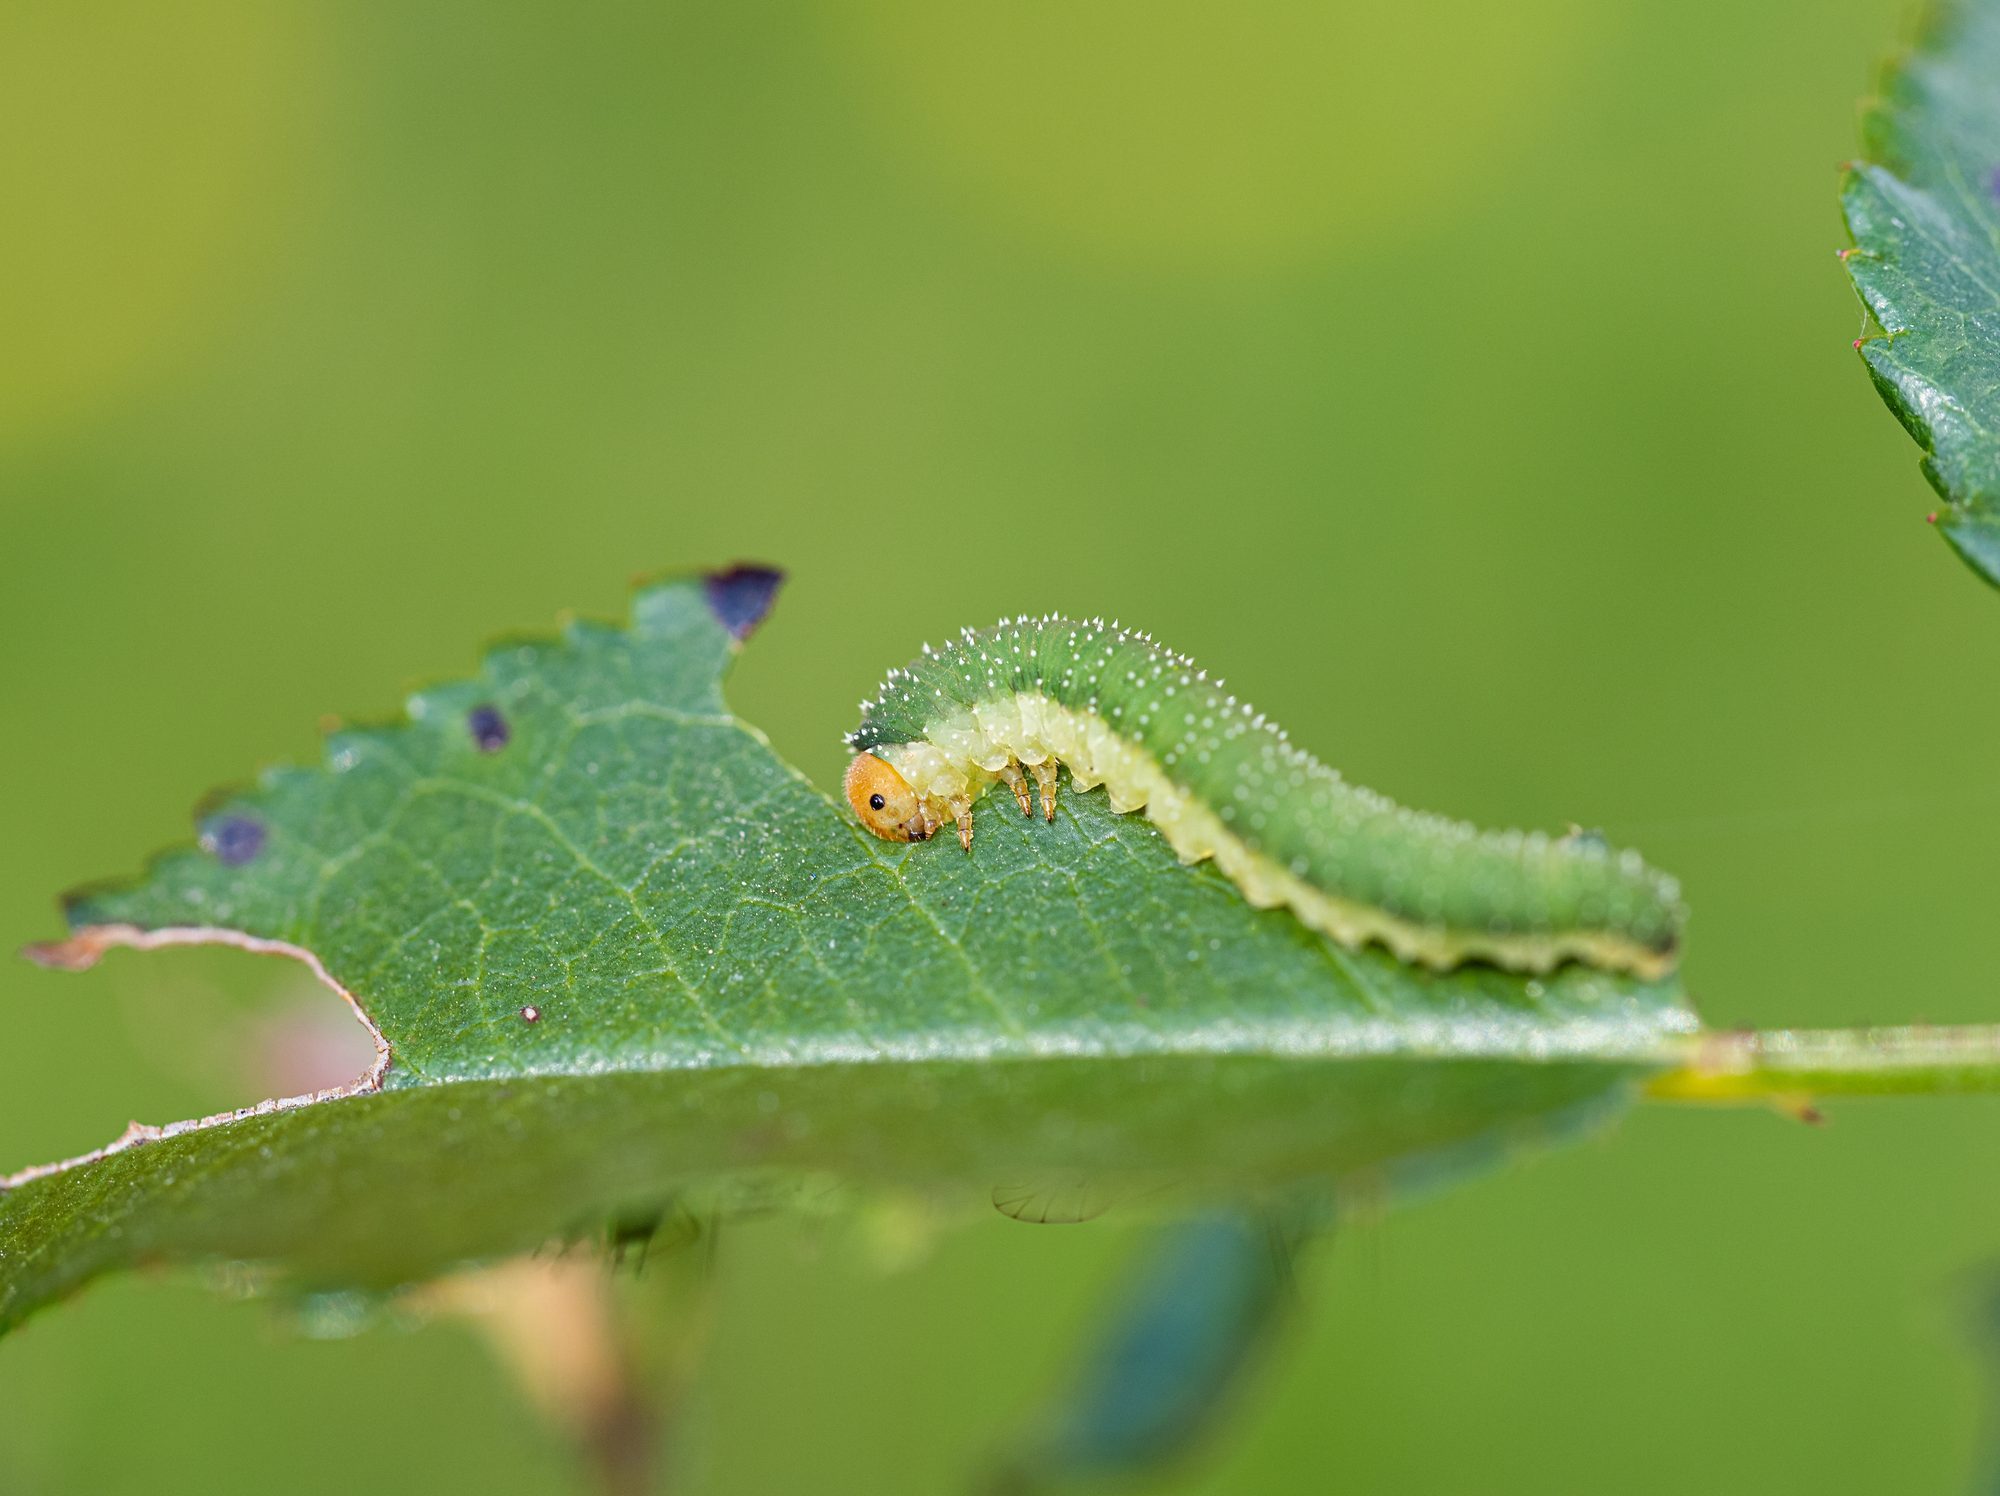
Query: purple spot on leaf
point(488, 728)
point(1993, 181)
point(233, 840)
point(741, 596)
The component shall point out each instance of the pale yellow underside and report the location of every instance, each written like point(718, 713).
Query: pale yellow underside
point(965, 752)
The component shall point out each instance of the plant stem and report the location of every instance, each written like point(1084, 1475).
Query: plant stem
point(1799, 1064)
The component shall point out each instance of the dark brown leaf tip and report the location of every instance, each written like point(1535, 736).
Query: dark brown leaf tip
point(233, 839)
point(741, 596)
point(488, 728)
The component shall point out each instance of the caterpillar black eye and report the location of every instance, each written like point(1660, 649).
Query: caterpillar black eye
point(876, 802)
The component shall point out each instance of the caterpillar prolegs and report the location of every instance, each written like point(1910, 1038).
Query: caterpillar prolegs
point(1009, 704)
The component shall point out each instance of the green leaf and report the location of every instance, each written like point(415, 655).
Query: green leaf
point(1925, 218)
point(1194, 1314)
point(618, 955)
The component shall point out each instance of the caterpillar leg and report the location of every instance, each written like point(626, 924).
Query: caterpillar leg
point(961, 810)
point(1016, 781)
point(1045, 774)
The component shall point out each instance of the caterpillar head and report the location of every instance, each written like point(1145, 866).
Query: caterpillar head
point(884, 801)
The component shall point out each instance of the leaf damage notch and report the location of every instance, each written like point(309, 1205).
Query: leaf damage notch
point(87, 946)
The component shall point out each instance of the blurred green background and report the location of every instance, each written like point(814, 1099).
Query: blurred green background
point(1470, 384)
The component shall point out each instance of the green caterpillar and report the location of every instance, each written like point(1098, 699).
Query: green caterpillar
point(1221, 782)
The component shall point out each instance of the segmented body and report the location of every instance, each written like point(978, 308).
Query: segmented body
point(1115, 709)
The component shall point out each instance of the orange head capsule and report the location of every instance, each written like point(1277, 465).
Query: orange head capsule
point(884, 801)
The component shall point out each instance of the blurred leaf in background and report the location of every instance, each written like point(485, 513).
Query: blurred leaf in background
point(1177, 137)
point(1529, 480)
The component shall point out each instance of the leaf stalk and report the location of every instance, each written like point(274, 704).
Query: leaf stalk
point(1790, 1064)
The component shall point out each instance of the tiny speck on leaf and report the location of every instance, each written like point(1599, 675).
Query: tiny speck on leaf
point(233, 840)
point(488, 728)
point(531, 1014)
point(741, 597)
point(1931, 518)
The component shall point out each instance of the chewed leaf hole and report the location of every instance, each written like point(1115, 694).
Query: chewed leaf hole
point(234, 839)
